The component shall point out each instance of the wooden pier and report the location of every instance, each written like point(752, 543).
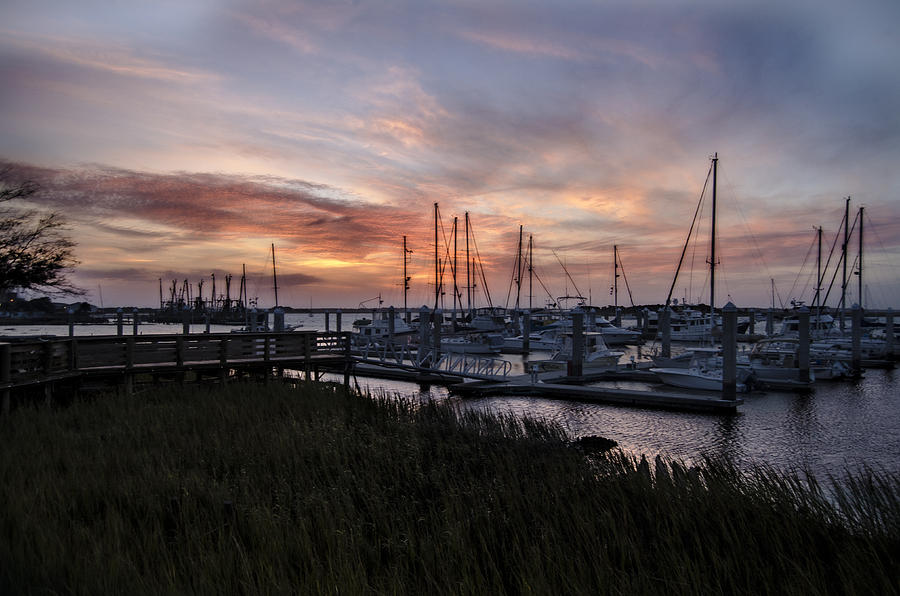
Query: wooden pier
point(48, 365)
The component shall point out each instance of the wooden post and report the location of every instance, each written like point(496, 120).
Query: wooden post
point(770, 322)
point(729, 352)
point(856, 338)
point(73, 355)
point(47, 366)
point(186, 321)
point(752, 324)
point(129, 366)
point(617, 318)
point(391, 326)
point(803, 350)
point(424, 336)
point(526, 332)
point(71, 321)
point(119, 323)
point(577, 362)
point(179, 352)
point(646, 326)
point(6, 374)
point(207, 321)
point(337, 321)
point(327, 321)
point(223, 360)
point(889, 334)
point(436, 321)
point(348, 361)
point(307, 354)
point(135, 321)
point(665, 331)
point(278, 319)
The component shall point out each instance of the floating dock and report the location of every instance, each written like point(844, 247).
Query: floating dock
point(563, 389)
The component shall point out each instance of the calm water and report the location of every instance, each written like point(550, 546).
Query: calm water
point(842, 425)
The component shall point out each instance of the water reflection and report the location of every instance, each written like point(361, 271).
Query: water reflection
point(836, 427)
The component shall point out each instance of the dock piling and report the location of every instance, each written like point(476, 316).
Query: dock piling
point(889, 334)
point(856, 338)
point(729, 351)
point(577, 362)
point(803, 349)
point(665, 332)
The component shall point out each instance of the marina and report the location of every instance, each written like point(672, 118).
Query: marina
point(835, 424)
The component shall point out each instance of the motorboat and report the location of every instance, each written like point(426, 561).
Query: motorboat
point(704, 373)
point(615, 336)
point(597, 355)
point(486, 343)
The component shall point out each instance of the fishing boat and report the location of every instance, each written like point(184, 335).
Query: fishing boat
point(597, 355)
point(704, 372)
point(380, 330)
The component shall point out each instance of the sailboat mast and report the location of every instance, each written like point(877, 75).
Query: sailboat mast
point(437, 272)
point(468, 270)
point(455, 265)
point(615, 278)
point(844, 256)
point(712, 250)
point(861, 257)
point(274, 277)
point(530, 269)
point(519, 270)
point(244, 285)
point(405, 277)
point(818, 300)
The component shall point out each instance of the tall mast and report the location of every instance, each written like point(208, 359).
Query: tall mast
point(160, 294)
point(712, 250)
point(519, 270)
point(437, 272)
point(468, 270)
point(244, 285)
point(455, 265)
point(274, 277)
point(615, 277)
point(861, 257)
point(405, 277)
point(818, 300)
point(844, 257)
point(530, 269)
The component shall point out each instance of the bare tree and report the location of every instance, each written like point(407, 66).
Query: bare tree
point(35, 251)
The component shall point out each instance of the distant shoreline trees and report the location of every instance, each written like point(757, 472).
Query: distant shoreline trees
point(36, 253)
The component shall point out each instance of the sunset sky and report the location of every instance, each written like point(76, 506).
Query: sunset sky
point(183, 138)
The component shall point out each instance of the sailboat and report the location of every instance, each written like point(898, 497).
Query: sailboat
point(704, 370)
point(261, 324)
point(690, 324)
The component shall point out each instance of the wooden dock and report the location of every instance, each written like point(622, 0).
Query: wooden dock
point(72, 363)
point(566, 388)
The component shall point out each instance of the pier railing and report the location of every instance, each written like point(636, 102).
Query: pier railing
point(30, 362)
point(406, 356)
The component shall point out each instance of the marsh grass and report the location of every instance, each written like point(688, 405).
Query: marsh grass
point(251, 489)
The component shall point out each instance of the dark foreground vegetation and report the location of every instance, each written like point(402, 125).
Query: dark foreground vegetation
point(253, 489)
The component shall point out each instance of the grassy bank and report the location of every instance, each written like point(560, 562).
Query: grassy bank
point(272, 490)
